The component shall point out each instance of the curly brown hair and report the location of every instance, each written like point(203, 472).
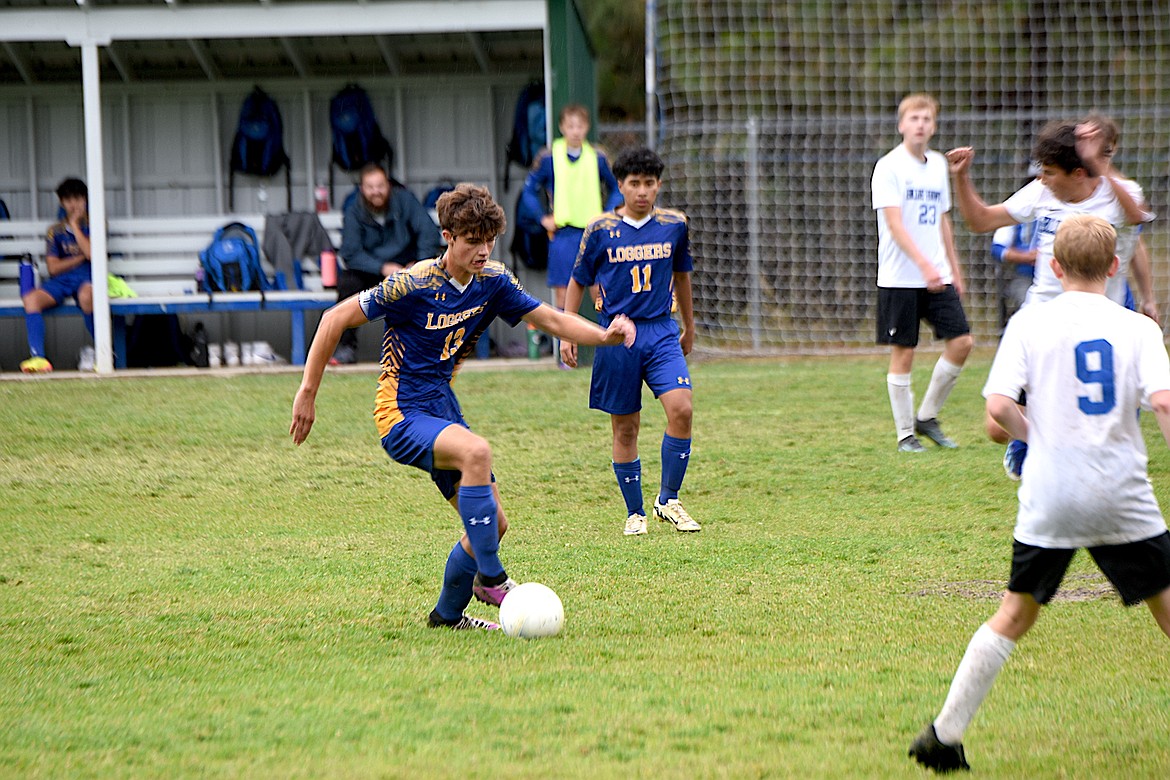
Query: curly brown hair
point(470, 211)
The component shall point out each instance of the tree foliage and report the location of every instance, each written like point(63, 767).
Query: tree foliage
point(617, 30)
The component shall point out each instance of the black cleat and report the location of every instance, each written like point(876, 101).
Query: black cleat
point(463, 623)
point(932, 754)
point(933, 431)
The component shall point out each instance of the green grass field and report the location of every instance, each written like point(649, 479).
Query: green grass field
point(184, 593)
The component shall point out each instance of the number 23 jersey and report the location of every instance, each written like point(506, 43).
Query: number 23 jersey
point(922, 191)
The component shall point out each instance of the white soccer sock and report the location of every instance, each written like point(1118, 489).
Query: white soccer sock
point(902, 403)
point(985, 656)
point(942, 382)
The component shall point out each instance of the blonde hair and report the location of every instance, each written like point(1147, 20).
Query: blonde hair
point(916, 101)
point(1085, 246)
point(574, 109)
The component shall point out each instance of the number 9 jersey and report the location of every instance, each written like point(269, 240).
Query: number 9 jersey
point(1087, 366)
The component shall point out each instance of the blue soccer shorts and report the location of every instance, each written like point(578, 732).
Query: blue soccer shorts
point(562, 254)
point(411, 441)
point(68, 284)
point(656, 358)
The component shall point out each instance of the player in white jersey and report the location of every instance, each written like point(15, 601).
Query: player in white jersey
point(1073, 167)
point(1072, 180)
point(919, 276)
point(1087, 366)
point(1131, 249)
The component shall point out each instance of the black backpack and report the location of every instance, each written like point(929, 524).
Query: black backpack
point(529, 133)
point(529, 241)
point(258, 146)
point(357, 137)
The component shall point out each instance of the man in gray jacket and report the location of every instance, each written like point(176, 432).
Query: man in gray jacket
point(384, 229)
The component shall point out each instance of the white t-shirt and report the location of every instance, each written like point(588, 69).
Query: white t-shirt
point(1087, 365)
point(922, 190)
point(1036, 202)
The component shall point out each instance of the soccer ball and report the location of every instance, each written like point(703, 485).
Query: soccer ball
point(532, 610)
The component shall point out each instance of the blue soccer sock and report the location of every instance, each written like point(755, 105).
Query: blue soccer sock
point(629, 479)
point(457, 580)
point(88, 322)
point(676, 454)
point(35, 324)
point(477, 507)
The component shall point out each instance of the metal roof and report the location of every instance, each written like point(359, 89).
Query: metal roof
point(179, 40)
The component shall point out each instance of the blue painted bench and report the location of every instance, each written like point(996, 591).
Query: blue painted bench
point(158, 257)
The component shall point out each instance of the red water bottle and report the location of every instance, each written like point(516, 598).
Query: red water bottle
point(328, 269)
point(321, 196)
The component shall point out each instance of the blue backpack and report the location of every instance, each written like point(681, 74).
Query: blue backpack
point(258, 146)
point(357, 138)
point(231, 262)
point(529, 134)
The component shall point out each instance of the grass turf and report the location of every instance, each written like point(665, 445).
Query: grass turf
point(183, 592)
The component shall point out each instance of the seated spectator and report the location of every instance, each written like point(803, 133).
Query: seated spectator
point(384, 229)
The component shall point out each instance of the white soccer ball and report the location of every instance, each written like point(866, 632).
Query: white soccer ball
point(532, 610)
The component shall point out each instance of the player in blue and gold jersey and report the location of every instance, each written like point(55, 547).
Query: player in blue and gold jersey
point(640, 259)
point(434, 312)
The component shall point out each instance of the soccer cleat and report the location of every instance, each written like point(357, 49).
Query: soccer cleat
point(635, 525)
point(932, 754)
point(910, 444)
point(491, 594)
point(1013, 459)
point(36, 365)
point(464, 623)
point(672, 512)
point(933, 431)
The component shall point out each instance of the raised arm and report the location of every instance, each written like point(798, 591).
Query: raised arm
point(1091, 149)
point(980, 217)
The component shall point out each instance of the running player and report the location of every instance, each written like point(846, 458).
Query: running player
point(638, 259)
point(434, 313)
point(918, 272)
point(1088, 365)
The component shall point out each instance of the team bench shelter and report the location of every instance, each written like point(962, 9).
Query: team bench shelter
point(158, 257)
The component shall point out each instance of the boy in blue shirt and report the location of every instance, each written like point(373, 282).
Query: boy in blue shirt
point(638, 260)
point(67, 256)
point(434, 312)
point(573, 174)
